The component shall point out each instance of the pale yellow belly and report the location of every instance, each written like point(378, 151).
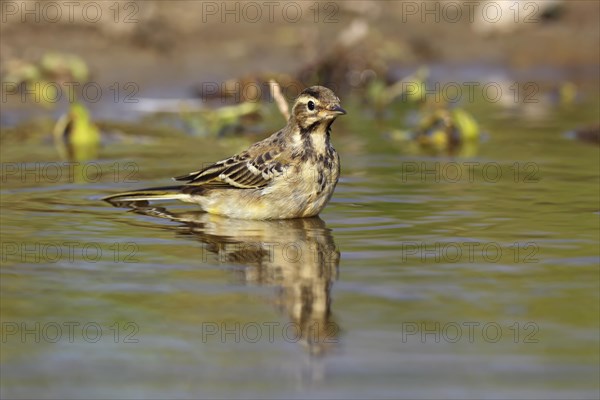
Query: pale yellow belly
point(303, 195)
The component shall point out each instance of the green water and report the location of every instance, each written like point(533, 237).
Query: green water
point(415, 282)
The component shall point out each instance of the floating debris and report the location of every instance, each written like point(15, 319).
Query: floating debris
point(442, 130)
point(410, 89)
point(220, 121)
point(51, 67)
point(76, 137)
point(588, 134)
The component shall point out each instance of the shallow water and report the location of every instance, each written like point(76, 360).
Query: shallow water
point(425, 277)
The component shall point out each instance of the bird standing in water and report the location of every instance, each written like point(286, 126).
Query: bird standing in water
point(290, 174)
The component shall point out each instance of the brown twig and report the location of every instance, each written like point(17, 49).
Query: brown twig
point(281, 102)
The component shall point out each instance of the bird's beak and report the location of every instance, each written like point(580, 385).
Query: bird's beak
point(337, 110)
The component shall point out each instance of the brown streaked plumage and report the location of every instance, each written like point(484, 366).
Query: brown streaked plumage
point(290, 174)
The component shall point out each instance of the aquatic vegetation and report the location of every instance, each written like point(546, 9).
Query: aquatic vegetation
point(44, 78)
point(443, 130)
point(76, 137)
point(219, 121)
point(410, 90)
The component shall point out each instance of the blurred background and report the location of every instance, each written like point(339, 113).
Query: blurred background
point(131, 61)
point(469, 123)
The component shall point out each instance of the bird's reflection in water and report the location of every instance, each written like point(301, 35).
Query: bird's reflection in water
point(297, 256)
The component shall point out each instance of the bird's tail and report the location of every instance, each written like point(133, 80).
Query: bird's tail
point(158, 193)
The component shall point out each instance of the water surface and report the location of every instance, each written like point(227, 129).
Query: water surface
point(427, 276)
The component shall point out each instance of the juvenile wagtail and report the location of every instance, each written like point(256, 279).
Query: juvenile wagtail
point(290, 174)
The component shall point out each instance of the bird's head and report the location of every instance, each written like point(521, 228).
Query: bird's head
point(315, 105)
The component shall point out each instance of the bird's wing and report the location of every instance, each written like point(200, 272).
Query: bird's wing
point(242, 171)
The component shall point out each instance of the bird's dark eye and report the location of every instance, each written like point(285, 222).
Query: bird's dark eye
point(311, 105)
